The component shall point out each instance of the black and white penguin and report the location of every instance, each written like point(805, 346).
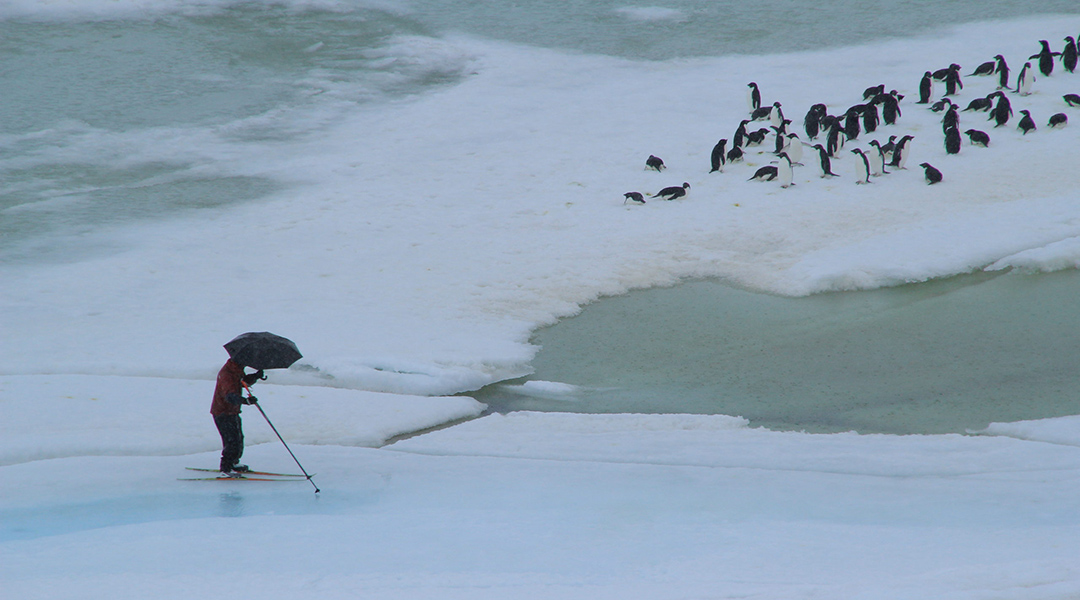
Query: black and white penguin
point(980, 104)
point(1059, 120)
point(794, 148)
point(739, 139)
point(952, 140)
point(812, 121)
point(779, 140)
point(926, 88)
point(890, 107)
point(766, 173)
point(1068, 54)
point(735, 154)
point(851, 123)
point(987, 68)
point(654, 162)
point(776, 116)
point(634, 197)
point(755, 138)
point(1026, 123)
point(835, 140)
point(941, 105)
point(870, 118)
point(753, 96)
point(719, 156)
point(1002, 70)
point(1046, 58)
point(941, 74)
point(901, 152)
point(1002, 111)
point(1072, 99)
point(784, 171)
point(887, 149)
point(931, 174)
point(951, 120)
point(953, 84)
point(673, 192)
point(1024, 80)
point(873, 92)
point(877, 160)
point(823, 162)
point(862, 167)
point(761, 113)
point(978, 138)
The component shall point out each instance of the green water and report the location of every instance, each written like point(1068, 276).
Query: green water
point(937, 357)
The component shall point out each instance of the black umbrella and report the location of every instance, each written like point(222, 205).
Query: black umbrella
point(263, 350)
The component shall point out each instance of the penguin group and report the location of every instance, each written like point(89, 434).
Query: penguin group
point(827, 134)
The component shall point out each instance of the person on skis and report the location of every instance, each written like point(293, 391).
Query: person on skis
point(226, 412)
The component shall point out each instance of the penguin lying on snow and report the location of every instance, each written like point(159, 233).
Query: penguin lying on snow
point(1072, 99)
point(1027, 123)
point(932, 175)
point(673, 192)
point(987, 68)
point(654, 162)
point(634, 197)
point(766, 173)
point(1059, 120)
point(978, 138)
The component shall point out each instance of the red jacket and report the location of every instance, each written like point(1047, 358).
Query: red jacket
point(229, 380)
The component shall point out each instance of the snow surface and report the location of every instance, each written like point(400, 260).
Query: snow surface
point(421, 246)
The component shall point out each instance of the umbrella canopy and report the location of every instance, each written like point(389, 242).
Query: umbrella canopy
point(263, 350)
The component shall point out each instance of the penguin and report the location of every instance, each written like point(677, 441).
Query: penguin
point(835, 140)
point(951, 120)
point(673, 192)
point(761, 113)
point(877, 160)
point(941, 105)
point(873, 92)
point(1026, 123)
point(1072, 99)
point(739, 138)
point(870, 118)
point(862, 167)
point(718, 156)
point(766, 173)
point(654, 162)
point(1002, 112)
point(987, 68)
point(776, 116)
point(794, 149)
point(941, 74)
point(1002, 70)
point(735, 154)
point(890, 107)
point(978, 138)
point(952, 140)
point(1024, 80)
point(851, 123)
point(1046, 58)
point(779, 141)
point(634, 197)
point(901, 152)
point(755, 138)
point(932, 175)
point(1059, 120)
point(812, 122)
point(824, 163)
point(953, 84)
point(1068, 55)
point(784, 171)
point(926, 88)
point(887, 149)
point(980, 104)
point(753, 96)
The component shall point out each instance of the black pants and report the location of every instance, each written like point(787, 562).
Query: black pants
point(232, 440)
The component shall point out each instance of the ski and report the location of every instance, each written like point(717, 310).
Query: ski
point(241, 478)
point(249, 472)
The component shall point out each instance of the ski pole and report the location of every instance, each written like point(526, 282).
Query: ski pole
point(256, 403)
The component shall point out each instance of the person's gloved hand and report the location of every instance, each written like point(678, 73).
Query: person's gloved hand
point(250, 400)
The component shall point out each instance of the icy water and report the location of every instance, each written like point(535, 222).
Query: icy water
point(937, 357)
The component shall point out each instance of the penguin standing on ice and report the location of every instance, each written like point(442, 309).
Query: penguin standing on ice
point(1072, 99)
point(784, 171)
point(739, 139)
point(824, 163)
point(634, 197)
point(926, 88)
point(901, 152)
point(1026, 123)
point(1024, 80)
point(890, 106)
point(1002, 112)
point(753, 96)
point(794, 149)
point(952, 140)
point(718, 156)
point(877, 160)
point(978, 138)
point(862, 167)
point(851, 122)
point(1046, 58)
point(1068, 55)
point(654, 162)
point(887, 149)
point(1059, 120)
point(835, 140)
point(870, 118)
point(812, 121)
point(951, 120)
point(776, 117)
point(931, 174)
point(673, 192)
point(1002, 70)
point(952, 81)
